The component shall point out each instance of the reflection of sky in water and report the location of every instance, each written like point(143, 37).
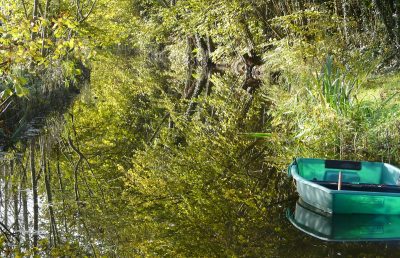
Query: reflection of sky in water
point(7, 202)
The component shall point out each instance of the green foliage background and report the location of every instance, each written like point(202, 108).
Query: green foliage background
point(140, 175)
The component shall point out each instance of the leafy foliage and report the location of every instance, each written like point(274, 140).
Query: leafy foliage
point(170, 152)
point(33, 45)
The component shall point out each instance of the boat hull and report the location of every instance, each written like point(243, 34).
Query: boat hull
point(344, 201)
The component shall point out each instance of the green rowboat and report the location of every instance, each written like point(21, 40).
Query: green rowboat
point(337, 186)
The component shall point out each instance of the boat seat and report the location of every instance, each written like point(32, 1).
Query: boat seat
point(347, 176)
point(354, 171)
point(360, 187)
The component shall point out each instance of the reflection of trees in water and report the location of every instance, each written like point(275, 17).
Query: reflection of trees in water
point(64, 199)
point(19, 117)
point(246, 66)
point(121, 182)
point(39, 212)
point(220, 187)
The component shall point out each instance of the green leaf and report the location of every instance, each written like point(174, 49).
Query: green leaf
point(21, 91)
point(257, 135)
point(5, 93)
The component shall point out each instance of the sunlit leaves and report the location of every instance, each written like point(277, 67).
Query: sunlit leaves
point(5, 94)
point(19, 84)
point(31, 46)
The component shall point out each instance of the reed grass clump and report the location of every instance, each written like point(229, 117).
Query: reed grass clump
point(337, 114)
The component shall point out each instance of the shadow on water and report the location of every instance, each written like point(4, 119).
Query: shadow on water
point(22, 117)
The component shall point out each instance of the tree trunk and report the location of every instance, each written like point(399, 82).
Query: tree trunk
point(16, 202)
point(62, 193)
point(44, 32)
point(53, 225)
point(386, 12)
point(6, 194)
point(397, 22)
point(76, 184)
point(345, 29)
point(35, 195)
point(191, 62)
point(35, 9)
point(201, 83)
point(203, 50)
point(24, 198)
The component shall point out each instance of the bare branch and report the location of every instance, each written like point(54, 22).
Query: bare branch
point(89, 12)
point(25, 10)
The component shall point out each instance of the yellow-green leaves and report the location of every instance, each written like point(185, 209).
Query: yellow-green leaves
point(5, 94)
point(19, 83)
point(34, 47)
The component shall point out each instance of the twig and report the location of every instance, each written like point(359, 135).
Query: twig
point(159, 127)
point(88, 13)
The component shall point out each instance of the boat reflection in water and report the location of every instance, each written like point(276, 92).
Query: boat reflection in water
point(344, 227)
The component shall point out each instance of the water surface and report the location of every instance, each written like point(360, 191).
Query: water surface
point(153, 162)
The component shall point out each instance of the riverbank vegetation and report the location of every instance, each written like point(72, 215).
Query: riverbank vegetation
point(179, 145)
point(42, 59)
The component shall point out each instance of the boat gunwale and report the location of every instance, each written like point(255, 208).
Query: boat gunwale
point(301, 179)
